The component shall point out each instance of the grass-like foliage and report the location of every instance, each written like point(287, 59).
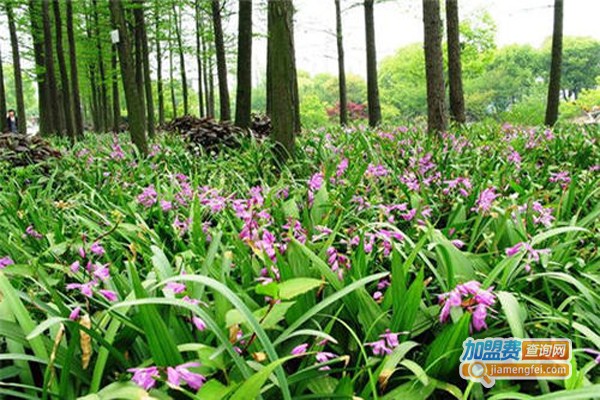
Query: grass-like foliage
point(356, 271)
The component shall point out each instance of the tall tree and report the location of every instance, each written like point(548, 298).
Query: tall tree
point(135, 108)
point(14, 42)
point(341, 64)
point(434, 66)
point(77, 117)
point(555, 67)
point(53, 95)
point(457, 99)
point(116, 103)
point(103, 103)
point(171, 68)
point(64, 76)
point(145, 60)
point(44, 100)
point(178, 34)
point(224, 108)
point(2, 99)
point(198, 10)
point(159, 83)
point(372, 85)
point(243, 103)
point(282, 86)
point(94, 95)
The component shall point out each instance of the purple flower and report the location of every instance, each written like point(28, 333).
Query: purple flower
point(166, 205)
point(300, 349)
point(75, 267)
point(562, 177)
point(315, 182)
point(85, 288)
point(81, 252)
point(145, 377)
point(594, 353)
point(175, 287)
point(148, 197)
point(485, 200)
point(97, 249)
point(376, 171)
point(75, 313)
point(30, 231)
point(379, 347)
point(459, 244)
point(192, 379)
point(199, 323)
point(323, 357)
point(477, 301)
point(101, 272)
point(390, 338)
point(5, 262)
point(108, 295)
point(511, 251)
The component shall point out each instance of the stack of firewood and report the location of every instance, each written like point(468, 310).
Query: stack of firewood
point(20, 150)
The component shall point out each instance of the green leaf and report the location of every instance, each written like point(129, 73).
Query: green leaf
point(118, 391)
point(250, 389)
point(514, 313)
point(297, 286)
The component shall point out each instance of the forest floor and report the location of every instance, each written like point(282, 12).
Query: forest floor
point(358, 269)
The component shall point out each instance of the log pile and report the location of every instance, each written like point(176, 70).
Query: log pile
point(208, 134)
point(19, 150)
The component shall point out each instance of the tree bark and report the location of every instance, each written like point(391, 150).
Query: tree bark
point(555, 67)
point(159, 83)
point(116, 103)
point(171, 68)
point(211, 86)
point(3, 126)
point(243, 103)
point(53, 109)
point(14, 42)
point(44, 101)
point(282, 94)
point(145, 59)
point(372, 84)
point(198, 11)
point(178, 34)
point(64, 76)
point(341, 65)
point(76, 105)
point(434, 66)
point(457, 99)
point(224, 107)
point(135, 108)
point(103, 112)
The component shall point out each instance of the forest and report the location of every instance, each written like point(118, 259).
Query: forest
point(193, 207)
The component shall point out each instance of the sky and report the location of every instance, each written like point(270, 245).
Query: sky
point(399, 22)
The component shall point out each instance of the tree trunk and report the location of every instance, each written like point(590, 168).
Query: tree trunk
point(555, 67)
point(64, 76)
point(159, 83)
point(224, 108)
point(77, 117)
point(94, 100)
point(282, 95)
point(341, 67)
point(171, 68)
point(198, 10)
point(53, 95)
point(116, 103)
point(14, 42)
point(205, 73)
point(103, 112)
point(3, 126)
point(457, 100)
point(211, 86)
point(144, 56)
point(135, 108)
point(372, 84)
point(434, 66)
point(178, 34)
point(44, 101)
point(243, 103)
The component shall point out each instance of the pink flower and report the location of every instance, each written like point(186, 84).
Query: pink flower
point(81, 252)
point(316, 182)
point(5, 262)
point(75, 313)
point(390, 338)
point(97, 249)
point(85, 288)
point(478, 301)
point(376, 171)
point(148, 197)
point(485, 200)
point(75, 267)
point(300, 349)
point(30, 231)
point(145, 377)
point(166, 205)
point(175, 287)
point(379, 347)
point(181, 372)
point(199, 323)
point(108, 295)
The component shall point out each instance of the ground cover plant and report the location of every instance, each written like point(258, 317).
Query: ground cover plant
point(355, 271)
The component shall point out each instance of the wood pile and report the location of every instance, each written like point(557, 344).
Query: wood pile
point(19, 150)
